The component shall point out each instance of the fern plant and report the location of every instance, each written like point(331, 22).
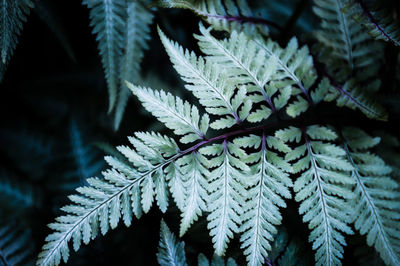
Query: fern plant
point(260, 138)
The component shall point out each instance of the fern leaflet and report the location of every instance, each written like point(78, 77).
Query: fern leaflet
point(210, 85)
point(376, 205)
point(269, 183)
point(170, 252)
point(322, 188)
point(377, 19)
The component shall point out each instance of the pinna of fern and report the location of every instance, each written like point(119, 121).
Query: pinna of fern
point(376, 18)
point(351, 58)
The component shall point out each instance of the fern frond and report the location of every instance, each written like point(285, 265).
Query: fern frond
point(225, 15)
point(216, 261)
point(376, 206)
point(322, 189)
point(227, 187)
point(210, 85)
point(171, 252)
point(348, 48)
point(176, 114)
point(246, 64)
point(138, 22)
point(377, 19)
point(123, 190)
point(15, 245)
point(269, 183)
point(353, 97)
point(108, 19)
point(12, 16)
point(195, 186)
point(295, 69)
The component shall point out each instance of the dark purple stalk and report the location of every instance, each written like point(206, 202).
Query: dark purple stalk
point(349, 96)
point(267, 127)
point(371, 18)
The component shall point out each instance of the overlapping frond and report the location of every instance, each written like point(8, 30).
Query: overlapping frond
point(108, 19)
point(210, 85)
point(268, 184)
point(138, 22)
point(171, 252)
point(246, 64)
point(227, 189)
point(195, 185)
point(12, 16)
point(122, 30)
point(216, 261)
point(225, 15)
point(350, 48)
point(376, 205)
point(123, 190)
point(295, 70)
point(352, 96)
point(322, 189)
point(351, 57)
point(377, 19)
point(175, 113)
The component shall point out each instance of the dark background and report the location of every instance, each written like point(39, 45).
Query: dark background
point(55, 80)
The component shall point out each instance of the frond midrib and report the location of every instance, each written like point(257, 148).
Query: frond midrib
point(322, 197)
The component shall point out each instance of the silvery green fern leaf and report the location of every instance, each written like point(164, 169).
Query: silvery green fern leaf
point(353, 97)
point(195, 186)
point(376, 206)
point(246, 64)
point(348, 48)
point(216, 261)
point(123, 190)
point(295, 70)
point(176, 114)
point(269, 184)
point(13, 14)
point(377, 19)
point(209, 84)
point(322, 189)
point(171, 252)
point(227, 184)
